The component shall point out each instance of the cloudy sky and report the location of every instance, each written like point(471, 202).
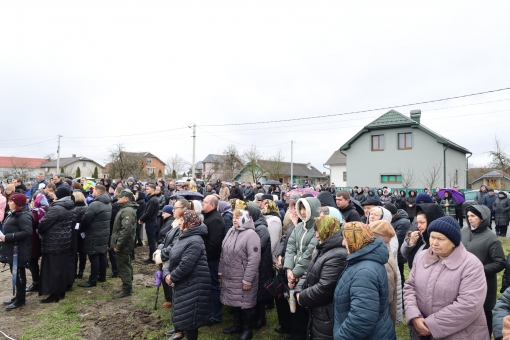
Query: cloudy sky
point(139, 74)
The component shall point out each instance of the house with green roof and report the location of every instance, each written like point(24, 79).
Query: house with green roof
point(398, 151)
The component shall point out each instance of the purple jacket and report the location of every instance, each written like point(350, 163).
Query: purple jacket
point(239, 264)
point(449, 294)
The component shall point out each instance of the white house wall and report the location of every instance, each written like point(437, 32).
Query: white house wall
point(337, 175)
point(365, 167)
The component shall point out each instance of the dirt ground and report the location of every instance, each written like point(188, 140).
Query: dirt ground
point(99, 319)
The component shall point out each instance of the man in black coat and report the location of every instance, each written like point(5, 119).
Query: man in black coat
point(96, 226)
point(249, 194)
point(346, 207)
point(57, 181)
point(149, 217)
point(216, 232)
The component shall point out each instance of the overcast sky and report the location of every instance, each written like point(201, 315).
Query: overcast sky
point(101, 74)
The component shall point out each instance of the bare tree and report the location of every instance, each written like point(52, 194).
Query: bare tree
point(251, 157)
point(230, 162)
point(500, 160)
point(19, 168)
point(453, 177)
point(432, 174)
point(275, 166)
point(124, 164)
point(408, 176)
point(176, 165)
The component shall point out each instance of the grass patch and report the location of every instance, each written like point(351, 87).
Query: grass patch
point(61, 323)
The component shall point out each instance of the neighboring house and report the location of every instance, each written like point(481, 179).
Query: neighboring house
point(397, 151)
point(69, 165)
point(26, 168)
point(495, 179)
point(337, 169)
point(138, 165)
point(219, 167)
point(280, 171)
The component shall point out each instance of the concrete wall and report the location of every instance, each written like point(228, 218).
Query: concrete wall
point(337, 175)
point(365, 167)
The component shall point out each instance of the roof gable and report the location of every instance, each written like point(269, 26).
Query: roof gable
point(299, 169)
point(65, 161)
point(394, 119)
point(211, 158)
point(143, 155)
point(492, 174)
point(337, 158)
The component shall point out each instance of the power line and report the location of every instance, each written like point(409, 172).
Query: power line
point(362, 111)
point(22, 146)
point(261, 146)
point(129, 135)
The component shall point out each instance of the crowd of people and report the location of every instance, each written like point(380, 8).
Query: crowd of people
point(331, 261)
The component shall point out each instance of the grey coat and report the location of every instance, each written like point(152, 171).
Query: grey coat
point(239, 264)
point(501, 207)
point(485, 245)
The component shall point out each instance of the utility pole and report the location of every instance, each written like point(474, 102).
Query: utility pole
point(58, 156)
point(291, 162)
point(193, 158)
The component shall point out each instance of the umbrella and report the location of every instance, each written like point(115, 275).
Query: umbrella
point(303, 191)
point(272, 183)
point(457, 196)
point(358, 207)
point(14, 268)
point(189, 195)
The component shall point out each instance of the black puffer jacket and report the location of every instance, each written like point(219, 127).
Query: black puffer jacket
point(266, 258)
point(141, 205)
point(165, 228)
point(215, 234)
point(56, 228)
point(359, 197)
point(171, 237)
point(96, 224)
point(317, 286)
point(501, 207)
point(350, 214)
point(189, 272)
point(401, 225)
point(17, 228)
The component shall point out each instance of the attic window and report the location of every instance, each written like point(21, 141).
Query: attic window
point(378, 143)
point(149, 160)
point(405, 141)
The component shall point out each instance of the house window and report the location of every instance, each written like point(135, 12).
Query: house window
point(391, 179)
point(345, 176)
point(149, 160)
point(378, 143)
point(405, 141)
point(84, 164)
point(151, 170)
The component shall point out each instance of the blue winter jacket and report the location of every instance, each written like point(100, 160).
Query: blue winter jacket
point(361, 308)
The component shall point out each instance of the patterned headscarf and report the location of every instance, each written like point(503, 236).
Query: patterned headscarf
point(326, 226)
point(272, 209)
point(190, 219)
point(240, 205)
point(357, 236)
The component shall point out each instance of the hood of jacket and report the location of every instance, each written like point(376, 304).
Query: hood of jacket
point(129, 204)
point(103, 198)
point(65, 202)
point(502, 192)
point(326, 199)
point(141, 196)
point(486, 216)
point(247, 225)
point(432, 211)
point(400, 215)
point(376, 251)
point(200, 230)
point(311, 205)
point(256, 215)
point(486, 188)
point(223, 207)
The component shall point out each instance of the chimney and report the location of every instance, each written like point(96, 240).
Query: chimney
point(74, 155)
point(416, 115)
point(309, 166)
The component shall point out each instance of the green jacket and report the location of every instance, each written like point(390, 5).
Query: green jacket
point(124, 228)
point(450, 209)
point(302, 241)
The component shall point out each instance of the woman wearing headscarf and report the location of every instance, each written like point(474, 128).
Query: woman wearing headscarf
point(40, 204)
point(56, 233)
point(448, 204)
point(238, 271)
point(17, 229)
point(187, 271)
point(298, 255)
point(316, 287)
point(418, 240)
point(225, 210)
point(485, 245)
point(265, 266)
point(361, 295)
point(274, 224)
point(411, 205)
point(446, 289)
point(9, 191)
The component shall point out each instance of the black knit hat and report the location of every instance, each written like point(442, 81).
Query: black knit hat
point(448, 227)
point(391, 208)
point(63, 191)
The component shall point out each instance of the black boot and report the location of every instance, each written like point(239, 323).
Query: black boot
point(247, 332)
point(80, 274)
point(236, 328)
point(260, 316)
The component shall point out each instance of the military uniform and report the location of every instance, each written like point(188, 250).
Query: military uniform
point(123, 239)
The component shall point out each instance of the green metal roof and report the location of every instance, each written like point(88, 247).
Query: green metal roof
point(395, 119)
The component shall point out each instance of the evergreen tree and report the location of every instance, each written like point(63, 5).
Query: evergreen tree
point(174, 174)
point(96, 173)
point(78, 173)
